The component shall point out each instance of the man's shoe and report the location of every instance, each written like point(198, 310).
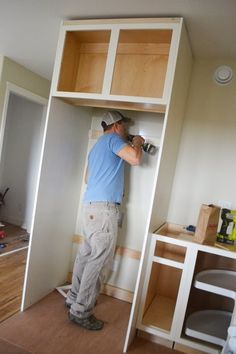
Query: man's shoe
point(91, 322)
point(67, 304)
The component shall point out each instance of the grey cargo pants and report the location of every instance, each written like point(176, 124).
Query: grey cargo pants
point(94, 257)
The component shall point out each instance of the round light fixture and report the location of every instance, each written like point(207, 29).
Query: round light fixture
point(223, 75)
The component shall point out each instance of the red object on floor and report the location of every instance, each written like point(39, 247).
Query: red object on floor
point(2, 234)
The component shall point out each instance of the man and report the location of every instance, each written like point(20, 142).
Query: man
point(105, 186)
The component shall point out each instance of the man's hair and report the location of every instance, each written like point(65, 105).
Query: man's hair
point(108, 127)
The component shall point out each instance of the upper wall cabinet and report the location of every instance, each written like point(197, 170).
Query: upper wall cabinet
point(84, 61)
point(127, 63)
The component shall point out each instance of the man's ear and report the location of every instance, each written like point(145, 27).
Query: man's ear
point(115, 127)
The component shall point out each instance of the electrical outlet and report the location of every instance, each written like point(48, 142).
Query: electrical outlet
point(225, 204)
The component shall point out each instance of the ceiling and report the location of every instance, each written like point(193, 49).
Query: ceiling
point(29, 28)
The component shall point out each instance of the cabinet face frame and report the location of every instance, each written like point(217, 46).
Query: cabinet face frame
point(188, 271)
point(187, 268)
point(115, 29)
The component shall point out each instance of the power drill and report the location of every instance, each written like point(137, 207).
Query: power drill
point(147, 147)
point(227, 219)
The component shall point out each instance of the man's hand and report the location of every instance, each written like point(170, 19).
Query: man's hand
point(132, 153)
point(138, 141)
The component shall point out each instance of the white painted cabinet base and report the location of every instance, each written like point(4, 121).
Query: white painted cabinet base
point(209, 325)
point(174, 261)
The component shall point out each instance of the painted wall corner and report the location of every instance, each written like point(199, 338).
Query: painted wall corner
point(1, 66)
point(21, 76)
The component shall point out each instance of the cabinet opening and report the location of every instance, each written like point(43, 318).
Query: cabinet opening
point(161, 296)
point(203, 300)
point(210, 299)
point(83, 61)
point(141, 56)
point(213, 261)
point(206, 300)
point(170, 251)
point(207, 317)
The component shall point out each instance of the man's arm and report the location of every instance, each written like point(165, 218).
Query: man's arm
point(132, 154)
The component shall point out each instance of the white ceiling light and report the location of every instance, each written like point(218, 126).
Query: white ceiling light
point(223, 75)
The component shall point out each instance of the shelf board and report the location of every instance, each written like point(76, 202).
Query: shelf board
point(217, 281)
point(160, 313)
point(209, 325)
point(100, 103)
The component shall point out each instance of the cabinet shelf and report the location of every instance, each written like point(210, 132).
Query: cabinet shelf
point(217, 281)
point(209, 325)
point(160, 313)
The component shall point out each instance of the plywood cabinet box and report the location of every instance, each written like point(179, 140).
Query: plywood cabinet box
point(188, 295)
point(141, 67)
point(122, 63)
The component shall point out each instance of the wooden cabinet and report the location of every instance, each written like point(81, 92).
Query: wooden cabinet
point(164, 277)
point(141, 67)
point(189, 291)
point(113, 63)
point(84, 61)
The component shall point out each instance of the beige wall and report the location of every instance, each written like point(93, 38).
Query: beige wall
point(206, 171)
point(20, 76)
point(1, 65)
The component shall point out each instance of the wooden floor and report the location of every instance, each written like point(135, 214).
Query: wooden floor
point(45, 329)
point(12, 269)
point(16, 238)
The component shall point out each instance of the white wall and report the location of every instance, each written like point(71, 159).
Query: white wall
point(206, 171)
point(20, 159)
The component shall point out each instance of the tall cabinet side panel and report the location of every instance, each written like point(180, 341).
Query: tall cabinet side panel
point(172, 133)
point(58, 194)
point(167, 159)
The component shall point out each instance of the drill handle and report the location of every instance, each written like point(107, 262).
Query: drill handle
point(147, 147)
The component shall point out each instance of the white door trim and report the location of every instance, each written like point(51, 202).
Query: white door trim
point(17, 90)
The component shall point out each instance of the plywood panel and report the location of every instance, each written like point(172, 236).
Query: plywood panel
point(152, 286)
point(90, 73)
point(141, 62)
point(69, 64)
point(170, 251)
point(134, 73)
point(146, 36)
point(61, 175)
point(132, 106)
point(164, 282)
point(160, 313)
point(84, 61)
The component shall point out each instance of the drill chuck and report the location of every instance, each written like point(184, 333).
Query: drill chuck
point(147, 147)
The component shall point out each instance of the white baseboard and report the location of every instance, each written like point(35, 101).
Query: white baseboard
point(110, 290)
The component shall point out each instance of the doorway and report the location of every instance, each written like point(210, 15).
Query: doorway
point(21, 141)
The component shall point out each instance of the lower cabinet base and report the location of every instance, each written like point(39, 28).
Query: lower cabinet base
point(155, 339)
point(185, 349)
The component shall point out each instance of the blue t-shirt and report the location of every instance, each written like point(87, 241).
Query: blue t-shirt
point(105, 170)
